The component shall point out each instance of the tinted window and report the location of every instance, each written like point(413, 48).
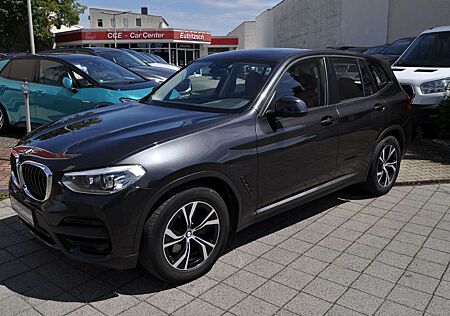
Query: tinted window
point(428, 50)
point(398, 47)
point(305, 80)
point(220, 85)
point(122, 58)
point(368, 83)
point(379, 74)
point(348, 77)
point(22, 69)
point(5, 71)
point(51, 72)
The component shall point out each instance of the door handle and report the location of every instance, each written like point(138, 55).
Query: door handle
point(379, 107)
point(327, 120)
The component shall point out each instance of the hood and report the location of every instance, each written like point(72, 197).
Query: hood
point(418, 75)
point(103, 136)
point(149, 72)
point(145, 86)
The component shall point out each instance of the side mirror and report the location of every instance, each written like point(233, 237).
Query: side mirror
point(67, 83)
point(290, 107)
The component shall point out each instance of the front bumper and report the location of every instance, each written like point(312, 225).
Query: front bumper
point(89, 228)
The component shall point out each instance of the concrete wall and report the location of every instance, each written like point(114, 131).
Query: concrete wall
point(148, 21)
point(364, 22)
point(246, 32)
point(411, 17)
point(264, 29)
point(306, 23)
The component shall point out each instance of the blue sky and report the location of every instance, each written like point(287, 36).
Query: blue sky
point(217, 16)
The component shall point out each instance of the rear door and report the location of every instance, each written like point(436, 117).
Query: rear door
point(297, 153)
point(362, 113)
point(11, 96)
point(52, 99)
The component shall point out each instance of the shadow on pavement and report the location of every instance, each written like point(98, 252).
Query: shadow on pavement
point(45, 274)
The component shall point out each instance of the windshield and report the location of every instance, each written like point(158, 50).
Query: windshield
point(429, 50)
point(158, 59)
point(398, 47)
point(105, 72)
point(219, 85)
point(141, 56)
point(122, 58)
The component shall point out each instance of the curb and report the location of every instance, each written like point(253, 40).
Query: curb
point(421, 182)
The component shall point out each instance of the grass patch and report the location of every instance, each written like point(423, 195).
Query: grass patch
point(3, 196)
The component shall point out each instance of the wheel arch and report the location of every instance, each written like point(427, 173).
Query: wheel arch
point(211, 179)
point(395, 131)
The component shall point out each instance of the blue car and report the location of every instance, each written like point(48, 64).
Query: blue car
point(61, 85)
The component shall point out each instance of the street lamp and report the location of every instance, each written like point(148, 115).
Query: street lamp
point(114, 22)
point(30, 27)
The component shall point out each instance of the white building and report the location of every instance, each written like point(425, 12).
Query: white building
point(246, 32)
point(332, 23)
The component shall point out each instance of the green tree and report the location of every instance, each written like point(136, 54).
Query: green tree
point(14, 36)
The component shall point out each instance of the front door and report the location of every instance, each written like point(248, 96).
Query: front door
point(298, 153)
point(52, 99)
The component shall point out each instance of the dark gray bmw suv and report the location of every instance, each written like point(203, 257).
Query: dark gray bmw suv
point(231, 139)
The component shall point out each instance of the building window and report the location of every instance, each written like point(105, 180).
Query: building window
point(100, 22)
point(125, 22)
point(113, 22)
point(138, 22)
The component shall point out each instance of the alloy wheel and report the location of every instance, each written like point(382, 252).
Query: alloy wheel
point(191, 235)
point(387, 166)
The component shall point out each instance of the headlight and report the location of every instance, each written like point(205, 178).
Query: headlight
point(434, 86)
point(125, 100)
point(103, 181)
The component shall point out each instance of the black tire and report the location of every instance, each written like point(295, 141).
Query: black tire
point(4, 120)
point(156, 259)
point(375, 185)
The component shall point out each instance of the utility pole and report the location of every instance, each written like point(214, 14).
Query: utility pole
point(30, 26)
point(115, 23)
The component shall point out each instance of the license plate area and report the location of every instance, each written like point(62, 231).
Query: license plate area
point(23, 211)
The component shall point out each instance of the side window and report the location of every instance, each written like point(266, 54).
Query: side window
point(51, 72)
point(348, 77)
point(81, 81)
point(305, 80)
point(380, 76)
point(22, 69)
point(368, 83)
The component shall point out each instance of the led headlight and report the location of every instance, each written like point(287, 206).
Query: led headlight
point(434, 86)
point(103, 181)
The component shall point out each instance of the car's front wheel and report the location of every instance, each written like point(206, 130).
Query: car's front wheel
point(385, 167)
point(185, 235)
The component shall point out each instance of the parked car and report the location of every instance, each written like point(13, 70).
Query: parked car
point(165, 181)
point(122, 58)
point(392, 52)
point(64, 84)
point(375, 50)
point(151, 59)
point(424, 72)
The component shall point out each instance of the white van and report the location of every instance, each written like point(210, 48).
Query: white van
point(423, 70)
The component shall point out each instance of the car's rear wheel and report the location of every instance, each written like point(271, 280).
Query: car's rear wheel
point(185, 235)
point(4, 121)
point(384, 168)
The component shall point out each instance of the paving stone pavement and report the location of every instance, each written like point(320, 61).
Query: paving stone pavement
point(344, 254)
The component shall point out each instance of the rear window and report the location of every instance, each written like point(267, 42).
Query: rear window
point(379, 74)
point(21, 69)
point(368, 84)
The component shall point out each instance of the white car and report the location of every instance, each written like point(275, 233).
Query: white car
point(423, 70)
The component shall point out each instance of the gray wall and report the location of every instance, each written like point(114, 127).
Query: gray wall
point(411, 17)
point(246, 32)
point(301, 23)
point(324, 23)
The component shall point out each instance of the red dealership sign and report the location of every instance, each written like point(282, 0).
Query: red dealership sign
point(134, 35)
